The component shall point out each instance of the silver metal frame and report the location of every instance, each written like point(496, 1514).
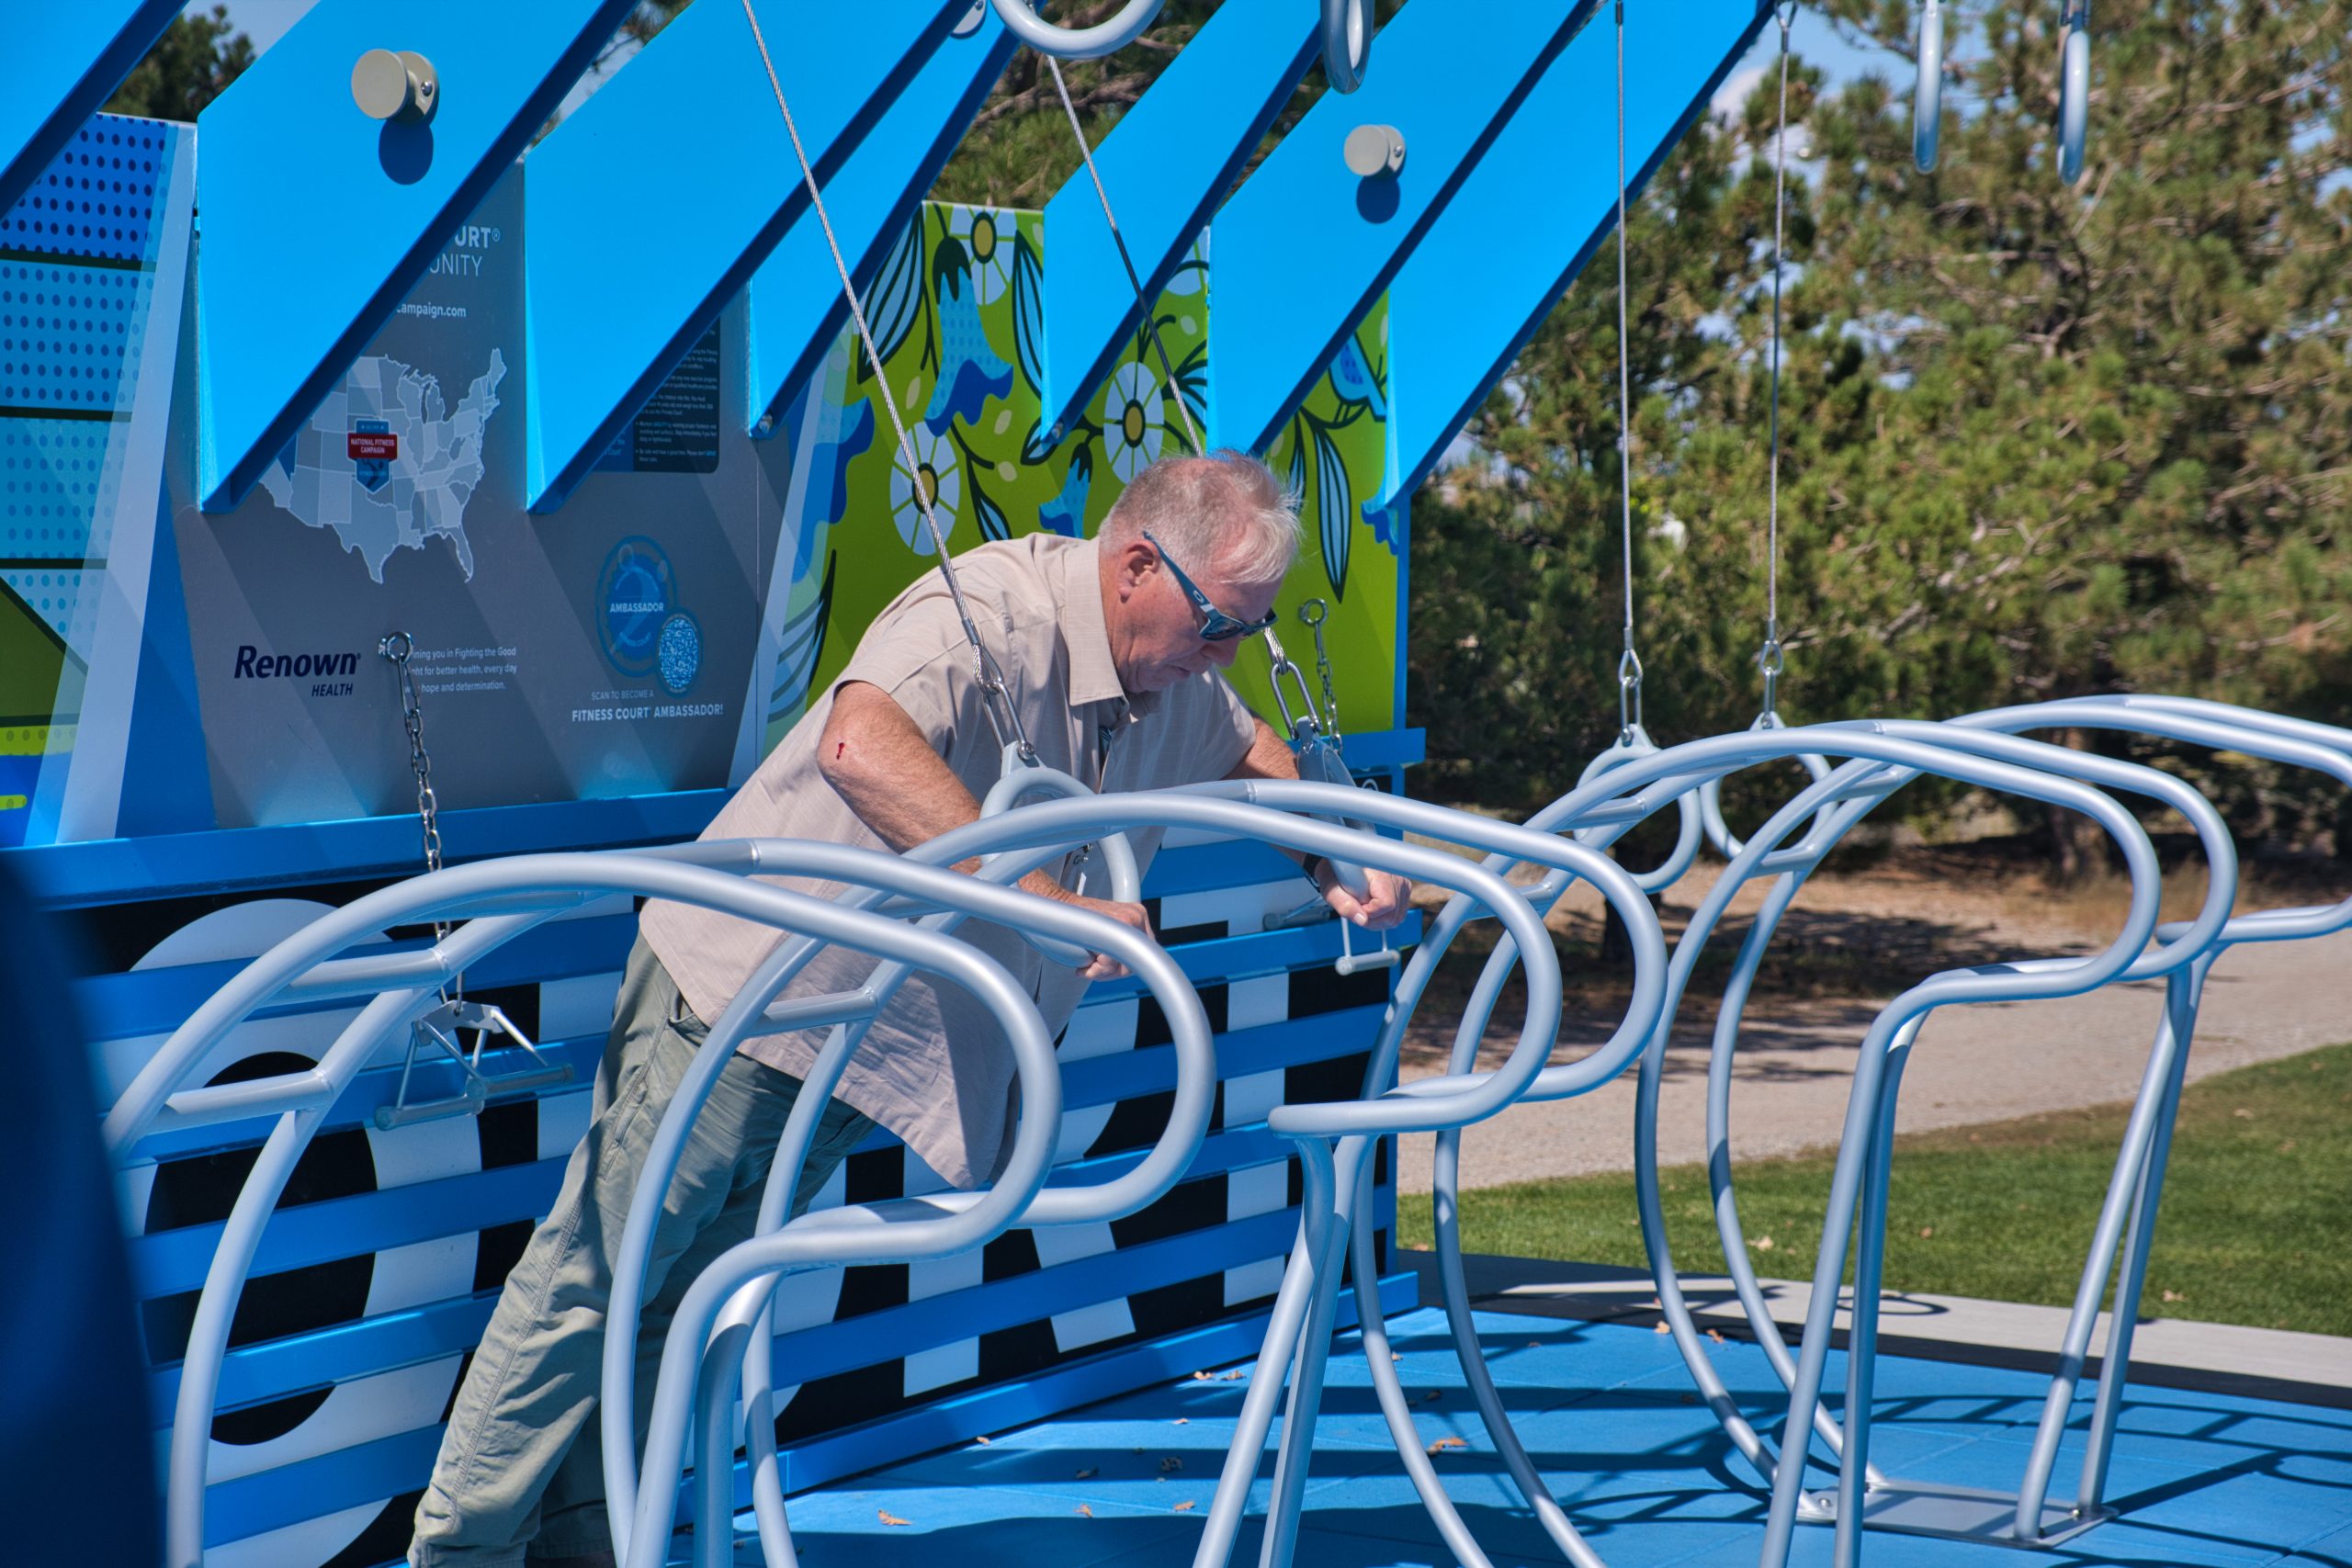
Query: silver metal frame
point(1885, 761)
point(498, 900)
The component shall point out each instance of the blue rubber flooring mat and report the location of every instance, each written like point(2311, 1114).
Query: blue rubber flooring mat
point(1609, 1416)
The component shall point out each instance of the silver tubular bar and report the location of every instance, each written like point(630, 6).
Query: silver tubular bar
point(1046, 826)
point(692, 1360)
point(2127, 1216)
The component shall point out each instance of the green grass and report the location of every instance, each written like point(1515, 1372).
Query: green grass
point(2255, 1226)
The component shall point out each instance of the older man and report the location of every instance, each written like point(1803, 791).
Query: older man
point(1112, 649)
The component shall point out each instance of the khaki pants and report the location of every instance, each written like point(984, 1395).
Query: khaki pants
point(521, 1464)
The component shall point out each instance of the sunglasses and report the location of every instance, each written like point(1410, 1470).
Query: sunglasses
point(1216, 624)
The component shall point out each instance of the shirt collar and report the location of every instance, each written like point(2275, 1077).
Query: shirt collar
point(1094, 676)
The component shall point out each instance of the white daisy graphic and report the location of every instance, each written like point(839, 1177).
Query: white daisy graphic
point(1131, 421)
point(940, 480)
point(986, 234)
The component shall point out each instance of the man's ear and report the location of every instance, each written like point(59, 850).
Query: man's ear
point(1135, 562)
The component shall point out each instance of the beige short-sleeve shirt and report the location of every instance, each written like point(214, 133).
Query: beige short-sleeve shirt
point(934, 1068)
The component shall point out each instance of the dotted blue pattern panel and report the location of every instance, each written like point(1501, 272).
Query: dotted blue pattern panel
point(53, 474)
point(52, 596)
point(78, 282)
point(65, 336)
point(98, 198)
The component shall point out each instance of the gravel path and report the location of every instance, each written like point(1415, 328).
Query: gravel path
point(1985, 1063)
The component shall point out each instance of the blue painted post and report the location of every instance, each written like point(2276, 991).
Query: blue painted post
point(319, 219)
point(1167, 164)
point(649, 207)
point(63, 61)
point(797, 309)
point(1307, 246)
point(1494, 261)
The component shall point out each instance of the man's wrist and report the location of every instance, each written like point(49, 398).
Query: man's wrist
point(1311, 867)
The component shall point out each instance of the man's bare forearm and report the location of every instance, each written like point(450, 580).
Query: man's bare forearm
point(884, 769)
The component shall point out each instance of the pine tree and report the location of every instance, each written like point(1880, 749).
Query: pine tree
point(2039, 439)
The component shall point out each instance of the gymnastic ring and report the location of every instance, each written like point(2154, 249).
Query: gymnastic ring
point(1927, 102)
point(1021, 20)
point(2074, 92)
point(1711, 794)
point(1347, 43)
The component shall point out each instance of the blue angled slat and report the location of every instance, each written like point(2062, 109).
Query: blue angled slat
point(1305, 247)
point(1166, 164)
point(171, 1261)
point(118, 871)
point(1068, 1385)
point(1492, 265)
point(63, 61)
point(318, 220)
point(273, 1369)
point(1267, 953)
point(128, 1005)
point(796, 306)
point(649, 207)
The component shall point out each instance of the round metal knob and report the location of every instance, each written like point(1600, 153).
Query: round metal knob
point(398, 85)
point(1375, 150)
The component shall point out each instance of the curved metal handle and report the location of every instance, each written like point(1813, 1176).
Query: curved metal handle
point(2073, 89)
point(1711, 794)
point(1023, 780)
point(1346, 42)
point(1319, 763)
point(1021, 19)
point(1928, 100)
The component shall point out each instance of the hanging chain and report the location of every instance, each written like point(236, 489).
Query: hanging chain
point(398, 648)
point(998, 703)
point(1313, 613)
point(1769, 658)
point(1135, 280)
point(1629, 663)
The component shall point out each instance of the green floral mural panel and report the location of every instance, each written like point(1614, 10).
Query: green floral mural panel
point(956, 311)
point(1334, 453)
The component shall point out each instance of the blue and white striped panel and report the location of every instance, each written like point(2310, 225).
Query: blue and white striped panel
point(365, 1304)
point(283, 1411)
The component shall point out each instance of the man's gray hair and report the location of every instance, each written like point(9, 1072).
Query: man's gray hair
point(1224, 512)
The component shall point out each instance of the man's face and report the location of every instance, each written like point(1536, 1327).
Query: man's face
point(1162, 644)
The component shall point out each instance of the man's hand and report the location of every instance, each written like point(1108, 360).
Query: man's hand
point(1386, 897)
point(1103, 966)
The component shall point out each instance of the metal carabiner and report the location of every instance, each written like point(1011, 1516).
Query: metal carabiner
point(1629, 694)
point(996, 700)
point(1301, 729)
point(1768, 661)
